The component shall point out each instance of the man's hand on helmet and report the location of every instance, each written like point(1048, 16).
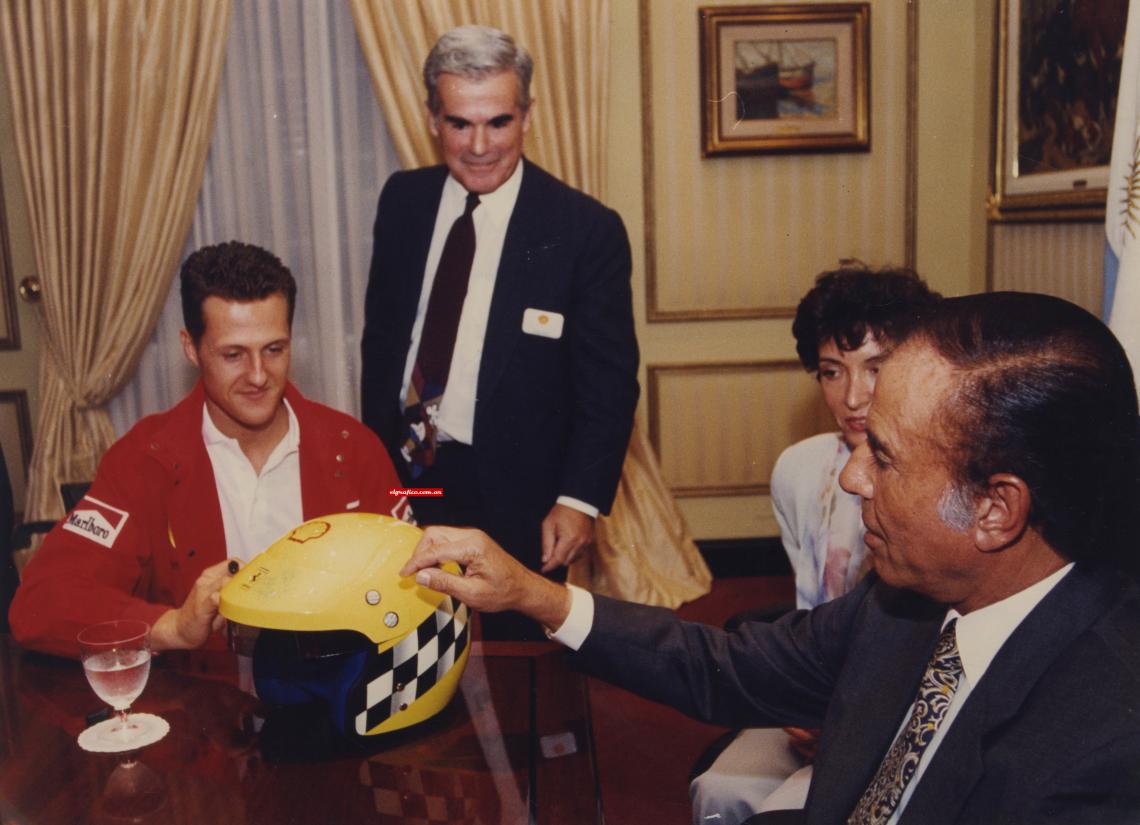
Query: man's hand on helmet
point(492, 579)
point(187, 627)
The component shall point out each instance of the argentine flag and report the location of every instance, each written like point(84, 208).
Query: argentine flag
point(1122, 207)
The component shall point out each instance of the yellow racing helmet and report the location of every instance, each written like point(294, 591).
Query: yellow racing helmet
point(327, 616)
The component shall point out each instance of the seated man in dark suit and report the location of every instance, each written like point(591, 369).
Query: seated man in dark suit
point(986, 669)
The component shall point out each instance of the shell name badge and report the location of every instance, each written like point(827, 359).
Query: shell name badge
point(543, 322)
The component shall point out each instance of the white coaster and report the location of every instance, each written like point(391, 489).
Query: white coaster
point(101, 738)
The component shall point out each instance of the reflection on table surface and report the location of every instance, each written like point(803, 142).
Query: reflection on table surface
point(514, 746)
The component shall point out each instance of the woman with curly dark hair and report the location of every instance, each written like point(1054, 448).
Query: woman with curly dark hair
point(844, 327)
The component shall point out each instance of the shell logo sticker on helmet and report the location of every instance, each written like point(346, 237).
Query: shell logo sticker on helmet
point(309, 530)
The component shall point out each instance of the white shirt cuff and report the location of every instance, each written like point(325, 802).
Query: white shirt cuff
point(579, 505)
point(579, 620)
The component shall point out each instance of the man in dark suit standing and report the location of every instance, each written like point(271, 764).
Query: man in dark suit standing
point(499, 356)
point(986, 670)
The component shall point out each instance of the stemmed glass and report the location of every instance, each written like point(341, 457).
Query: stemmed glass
point(116, 659)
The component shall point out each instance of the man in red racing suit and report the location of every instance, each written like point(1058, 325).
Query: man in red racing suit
point(149, 541)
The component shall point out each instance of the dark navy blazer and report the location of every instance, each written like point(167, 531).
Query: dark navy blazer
point(553, 415)
point(1050, 734)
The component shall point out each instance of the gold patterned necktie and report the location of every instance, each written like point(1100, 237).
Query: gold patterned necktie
point(934, 696)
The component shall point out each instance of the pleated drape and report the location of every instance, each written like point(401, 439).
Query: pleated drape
point(113, 104)
point(569, 40)
point(644, 550)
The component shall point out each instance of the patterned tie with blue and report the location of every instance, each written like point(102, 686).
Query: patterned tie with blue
point(934, 696)
point(437, 341)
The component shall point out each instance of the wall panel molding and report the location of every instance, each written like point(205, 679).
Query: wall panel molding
point(743, 237)
point(1065, 259)
point(719, 426)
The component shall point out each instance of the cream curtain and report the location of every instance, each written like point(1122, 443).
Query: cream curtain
point(113, 104)
point(644, 550)
point(569, 40)
point(298, 152)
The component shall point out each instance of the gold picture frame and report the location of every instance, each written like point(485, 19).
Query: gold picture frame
point(785, 78)
point(1053, 111)
point(9, 323)
point(16, 442)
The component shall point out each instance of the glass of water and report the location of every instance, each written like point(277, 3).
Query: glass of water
point(116, 659)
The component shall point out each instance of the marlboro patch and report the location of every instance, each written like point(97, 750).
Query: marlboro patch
point(96, 520)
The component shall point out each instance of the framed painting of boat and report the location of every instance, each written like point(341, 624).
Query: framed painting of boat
point(785, 78)
point(1058, 73)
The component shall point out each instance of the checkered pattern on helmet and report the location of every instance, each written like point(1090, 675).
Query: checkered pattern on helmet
point(401, 674)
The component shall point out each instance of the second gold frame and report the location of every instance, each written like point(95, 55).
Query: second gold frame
point(785, 78)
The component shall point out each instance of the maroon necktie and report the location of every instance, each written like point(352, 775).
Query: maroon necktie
point(437, 341)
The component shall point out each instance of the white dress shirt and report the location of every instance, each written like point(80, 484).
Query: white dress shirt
point(257, 508)
point(980, 634)
point(456, 421)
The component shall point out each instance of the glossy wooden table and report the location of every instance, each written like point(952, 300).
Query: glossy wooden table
point(514, 746)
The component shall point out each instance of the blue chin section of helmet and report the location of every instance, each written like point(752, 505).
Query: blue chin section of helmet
point(282, 677)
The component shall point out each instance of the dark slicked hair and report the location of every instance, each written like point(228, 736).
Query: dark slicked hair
point(848, 303)
point(1045, 392)
point(233, 271)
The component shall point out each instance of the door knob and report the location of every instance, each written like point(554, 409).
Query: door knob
point(30, 289)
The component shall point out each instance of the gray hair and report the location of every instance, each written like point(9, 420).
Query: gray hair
point(475, 52)
point(955, 507)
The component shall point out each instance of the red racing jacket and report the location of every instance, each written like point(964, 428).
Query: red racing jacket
point(151, 522)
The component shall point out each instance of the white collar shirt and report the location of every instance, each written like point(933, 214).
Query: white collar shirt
point(257, 508)
point(456, 420)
